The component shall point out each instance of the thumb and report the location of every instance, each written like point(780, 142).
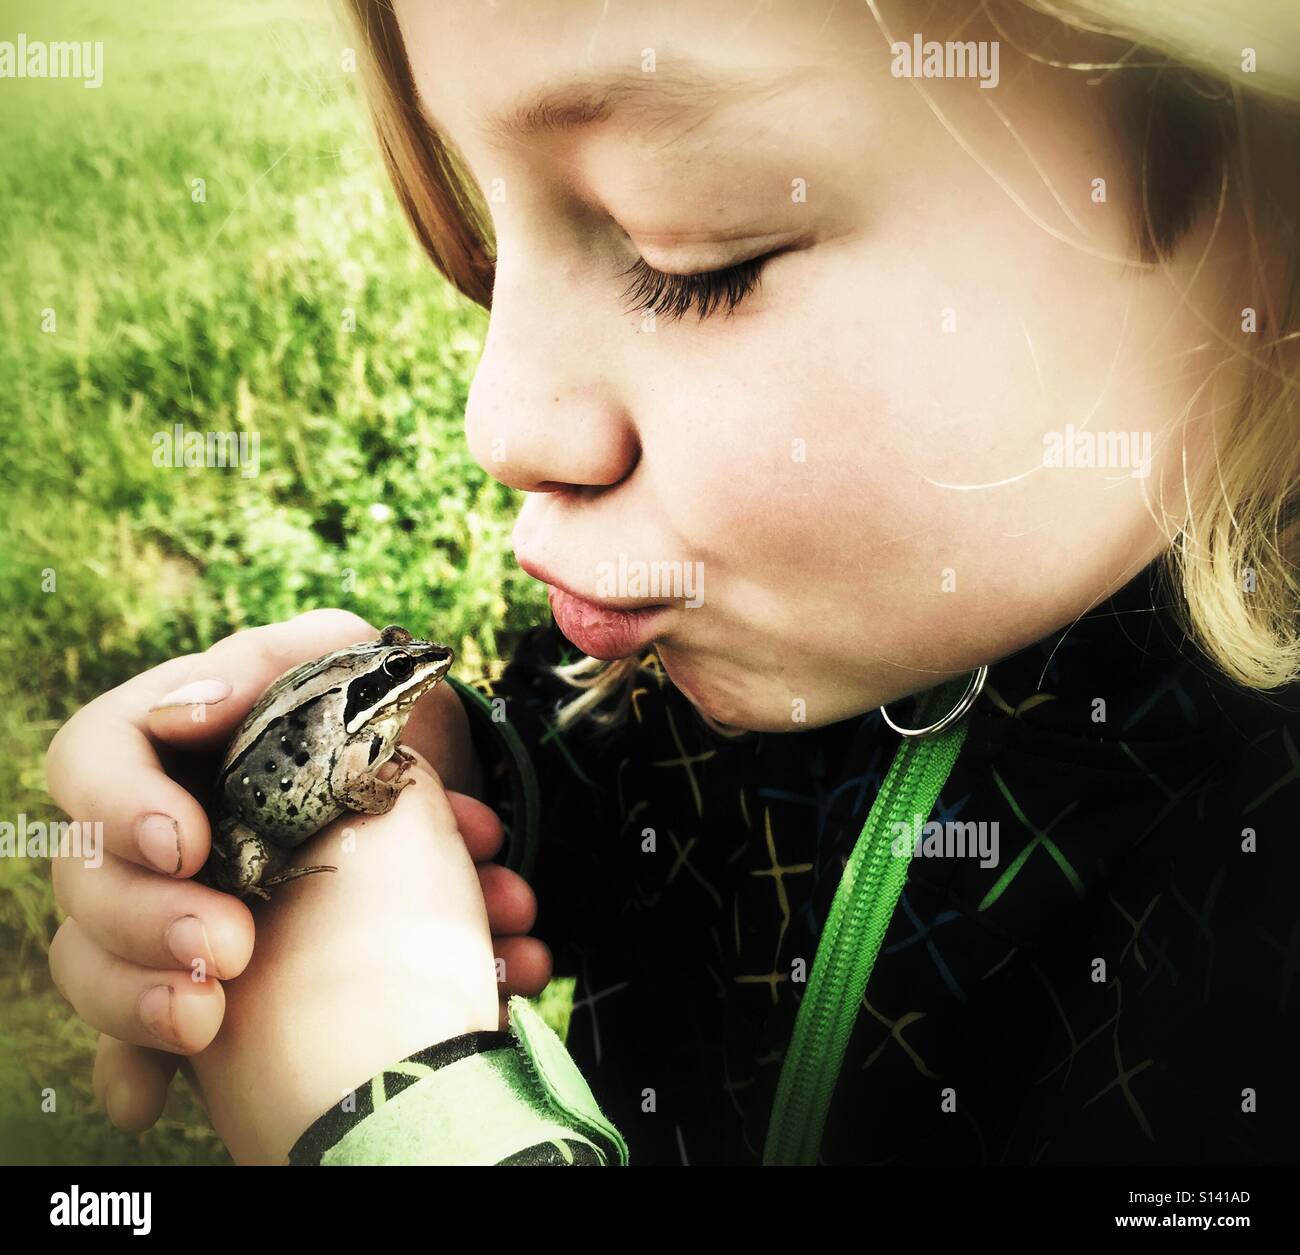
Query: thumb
point(202, 706)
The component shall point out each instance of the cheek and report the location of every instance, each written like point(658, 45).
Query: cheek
point(890, 452)
point(958, 382)
point(762, 461)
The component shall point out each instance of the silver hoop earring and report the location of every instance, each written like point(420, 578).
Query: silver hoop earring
point(974, 687)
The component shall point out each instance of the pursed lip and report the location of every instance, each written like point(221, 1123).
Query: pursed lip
point(607, 629)
point(602, 603)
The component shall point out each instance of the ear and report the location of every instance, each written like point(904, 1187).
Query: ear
point(394, 635)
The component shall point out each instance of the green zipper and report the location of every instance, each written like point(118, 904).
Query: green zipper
point(859, 916)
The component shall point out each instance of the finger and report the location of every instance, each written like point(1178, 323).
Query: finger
point(225, 682)
point(103, 765)
point(171, 923)
point(191, 1078)
point(439, 729)
point(479, 824)
point(101, 768)
point(525, 963)
point(131, 1082)
point(164, 1010)
point(436, 795)
point(510, 901)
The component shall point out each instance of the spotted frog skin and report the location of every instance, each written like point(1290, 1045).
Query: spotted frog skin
point(311, 749)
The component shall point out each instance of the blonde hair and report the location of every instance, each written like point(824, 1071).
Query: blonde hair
point(1232, 556)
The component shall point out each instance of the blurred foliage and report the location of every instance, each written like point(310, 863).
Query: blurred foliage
point(128, 306)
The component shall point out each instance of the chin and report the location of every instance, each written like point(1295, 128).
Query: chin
point(743, 708)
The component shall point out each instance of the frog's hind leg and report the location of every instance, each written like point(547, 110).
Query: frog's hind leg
point(239, 859)
point(354, 784)
point(244, 864)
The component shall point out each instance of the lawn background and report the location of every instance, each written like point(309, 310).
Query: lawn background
point(223, 314)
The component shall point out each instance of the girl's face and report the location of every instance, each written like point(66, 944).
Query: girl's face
point(862, 459)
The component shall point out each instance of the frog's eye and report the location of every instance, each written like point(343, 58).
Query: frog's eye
point(398, 666)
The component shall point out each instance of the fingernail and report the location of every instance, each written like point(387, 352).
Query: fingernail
point(159, 840)
point(155, 1012)
point(197, 693)
point(187, 939)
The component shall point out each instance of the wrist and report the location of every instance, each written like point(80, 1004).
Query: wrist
point(264, 1088)
point(340, 1079)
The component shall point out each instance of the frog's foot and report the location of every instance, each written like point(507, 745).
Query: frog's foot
point(354, 783)
point(289, 873)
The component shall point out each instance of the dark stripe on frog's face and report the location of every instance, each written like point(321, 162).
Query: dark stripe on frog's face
point(388, 688)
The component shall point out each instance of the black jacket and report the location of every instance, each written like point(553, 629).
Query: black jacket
point(1115, 983)
point(1120, 987)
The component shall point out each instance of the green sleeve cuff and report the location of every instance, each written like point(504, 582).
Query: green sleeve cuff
point(481, 1098)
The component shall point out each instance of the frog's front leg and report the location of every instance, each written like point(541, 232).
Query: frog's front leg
point(355, 785)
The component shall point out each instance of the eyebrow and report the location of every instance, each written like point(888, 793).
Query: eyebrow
point(648, 99)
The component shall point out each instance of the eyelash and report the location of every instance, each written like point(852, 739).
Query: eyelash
point(674, 296)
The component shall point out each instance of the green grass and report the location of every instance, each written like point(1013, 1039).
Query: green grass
point(222, 314)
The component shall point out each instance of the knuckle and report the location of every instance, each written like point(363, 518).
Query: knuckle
point(54, 754)
point(182, 660)
point(428, 772)
point(57, 957)
point(333, 620)
point(275, 645)
point(59, 883)
point(102, 1068)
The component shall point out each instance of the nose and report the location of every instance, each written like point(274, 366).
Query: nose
point(544, 412)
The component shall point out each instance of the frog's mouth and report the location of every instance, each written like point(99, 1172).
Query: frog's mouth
point(432, 662)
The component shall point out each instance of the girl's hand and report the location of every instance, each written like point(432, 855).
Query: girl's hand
point(135, 924)
point(354, 970)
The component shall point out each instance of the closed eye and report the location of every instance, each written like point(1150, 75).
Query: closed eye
point(673, 296)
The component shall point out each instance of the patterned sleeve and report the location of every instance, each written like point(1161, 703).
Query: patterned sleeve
point(478, 1099)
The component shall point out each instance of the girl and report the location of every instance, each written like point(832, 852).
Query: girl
point(843, 353)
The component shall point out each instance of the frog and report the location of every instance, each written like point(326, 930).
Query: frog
point(311, 749)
